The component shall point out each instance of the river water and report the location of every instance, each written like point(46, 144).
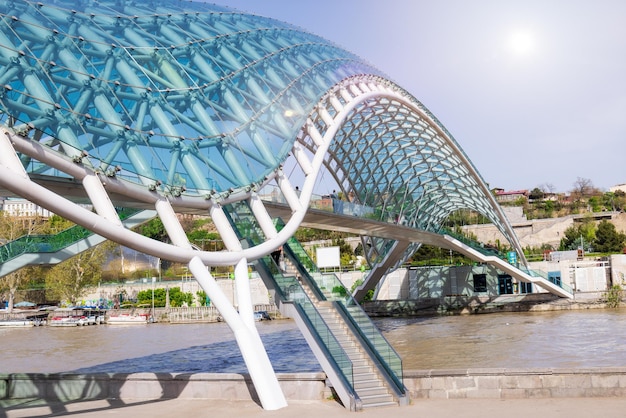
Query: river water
point(573, 339)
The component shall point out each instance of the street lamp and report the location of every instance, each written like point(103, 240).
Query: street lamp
point(153, 280)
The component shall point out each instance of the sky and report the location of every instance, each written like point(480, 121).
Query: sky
point(533, 91)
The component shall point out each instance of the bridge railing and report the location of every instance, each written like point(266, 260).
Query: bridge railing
point(289, 289)
point(553, 280)
point(51, 243)
point(381, 352)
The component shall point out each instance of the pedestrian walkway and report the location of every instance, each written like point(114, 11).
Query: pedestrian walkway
point(443, 408)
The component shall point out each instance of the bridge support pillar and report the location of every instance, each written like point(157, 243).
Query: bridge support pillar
point(248, 339)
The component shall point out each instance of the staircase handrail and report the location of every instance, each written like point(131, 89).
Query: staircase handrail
point(50, 243)
point(393, 375)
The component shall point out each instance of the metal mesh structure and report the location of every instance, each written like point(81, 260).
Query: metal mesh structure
point(194, 100)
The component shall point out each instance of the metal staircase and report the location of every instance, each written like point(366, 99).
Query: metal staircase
point(363, 368)
point(55, 248)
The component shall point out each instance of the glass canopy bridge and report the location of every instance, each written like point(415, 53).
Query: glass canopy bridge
point(182, 107)
point(333, 214)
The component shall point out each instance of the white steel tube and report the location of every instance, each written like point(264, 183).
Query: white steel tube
point(8, 156)
point(174, 229)
point(223, 227)
point(249, 342)
point(100, 199)
point(244, 298)
point(263, 218)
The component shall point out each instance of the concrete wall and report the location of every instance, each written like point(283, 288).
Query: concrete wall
point(69, 387)
point(259, 295)
point(516, 383)
point(421, 384)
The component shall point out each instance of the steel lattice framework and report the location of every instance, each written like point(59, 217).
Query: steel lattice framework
point(191, 98)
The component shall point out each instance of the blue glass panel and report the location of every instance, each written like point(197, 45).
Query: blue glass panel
point(186, 93)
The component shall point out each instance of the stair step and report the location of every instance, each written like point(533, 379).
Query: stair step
point(380, 404)
point(373, 391)
point(358, 377)
point(365, 384)
point(376, 399)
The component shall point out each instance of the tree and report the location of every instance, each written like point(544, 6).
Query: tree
point(583, 188)
point(580, 234)
point(14, 227)
point(176, 296)
point(536, 194)
point(154, 229)
point(68, 280)
point(608, 240)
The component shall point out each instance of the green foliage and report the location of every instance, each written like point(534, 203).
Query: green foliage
point(203, 298)
point(68, 280)
point(608, 240)
point(368, 296)
point(154, 229)
point(579, 234)
point(536, 194)
point(340, 290)
point(345, 251)
point(177, 297)
point(614, 296)
point(429, 255)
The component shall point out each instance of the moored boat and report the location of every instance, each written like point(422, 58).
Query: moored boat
point(20, 320)
point(128, 318)
point(77, 316)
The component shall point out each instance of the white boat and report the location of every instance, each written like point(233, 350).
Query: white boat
point(18, 323)
point(20, 320)
point(67, 320)
point(128, 318)
point(76, 316)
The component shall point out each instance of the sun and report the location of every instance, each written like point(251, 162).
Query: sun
point(521, 42)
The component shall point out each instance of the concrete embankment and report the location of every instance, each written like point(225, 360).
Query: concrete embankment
point(421, 384)
point(466, 305)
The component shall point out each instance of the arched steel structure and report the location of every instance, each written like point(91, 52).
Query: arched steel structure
point(185, 106)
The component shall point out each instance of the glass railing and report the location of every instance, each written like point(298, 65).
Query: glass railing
point(271, 193)
point(329, 341)
point(544, 275)
point(387, 357)
point(290, 290)
point(332, 287)
point(50, 243)
point(473, 244)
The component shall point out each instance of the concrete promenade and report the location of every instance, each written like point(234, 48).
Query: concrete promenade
point(432, 408)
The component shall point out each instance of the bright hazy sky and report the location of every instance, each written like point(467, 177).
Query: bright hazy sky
point(533, 91)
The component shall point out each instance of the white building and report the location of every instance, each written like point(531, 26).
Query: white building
point(23, 207)
point(620, 187)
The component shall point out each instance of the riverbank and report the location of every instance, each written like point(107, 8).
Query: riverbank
point(484, 392)
point(468, 305)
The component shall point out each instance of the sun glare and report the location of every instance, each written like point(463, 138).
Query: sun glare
point(521, 43)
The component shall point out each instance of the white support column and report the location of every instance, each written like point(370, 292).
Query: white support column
point(170, 221)
point(249, 342)
point(223, 227)
point(8, 157)
point(290, 194)
point(314, 133)
point(100, 199)
point(303, 159)
point(262, 217)
point(244, 298)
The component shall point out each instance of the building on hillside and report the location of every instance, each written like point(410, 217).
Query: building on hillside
point(509, 196)
point(618, 187)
